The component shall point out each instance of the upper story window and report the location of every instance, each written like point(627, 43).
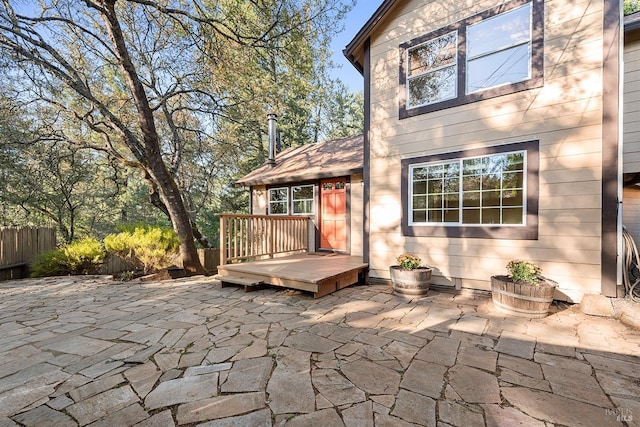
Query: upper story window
point(432, 71)
point(302, 199)
point(279, 201)
point(494, 53)
point(499, 50)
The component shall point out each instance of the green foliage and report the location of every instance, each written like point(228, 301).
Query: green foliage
point(631, 6)
point(408, 261)
point(149, 247)
point(82, 257)
point(524, 271)
point(50, 263)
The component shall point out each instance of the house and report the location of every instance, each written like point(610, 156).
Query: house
point(322, 181)
point(493, 131)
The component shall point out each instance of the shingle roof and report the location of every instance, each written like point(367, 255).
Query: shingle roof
point(632, 22)
point(338, 157)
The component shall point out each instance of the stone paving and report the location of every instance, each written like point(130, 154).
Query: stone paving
point(93, 352)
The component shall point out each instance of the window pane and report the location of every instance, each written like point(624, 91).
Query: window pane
point(340, 185)
point(452, 184)
point(512, 216)
point(451, 215)
point(278, 208)
point(491, 216)
point(304, 192)
point(471, 183)
point(278, 194)
point(473, 166)
point(432, 87)
point(419, 187)
point(503, 67)
point(419, 216)
point(471, 216)
point(497, 33)
point(327, 186)
point(512, 198)
point(491, 198)
point(515, 162)
point(433, 54)
point(436, 171)
point(435, 215)
point(419, 202)
point(512, 180)
point(435, 201)
point(435, 186)
point(471, 199)
point(491, 181)
point(420, 173)
point(451, 201)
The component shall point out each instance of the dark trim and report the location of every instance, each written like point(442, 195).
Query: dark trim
point(610, 145)
point(348, 216)
point(527, 232)
point(366, 174)
point(537, 61)
point(363, 34)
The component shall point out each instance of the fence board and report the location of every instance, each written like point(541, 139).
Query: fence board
point(19, 245)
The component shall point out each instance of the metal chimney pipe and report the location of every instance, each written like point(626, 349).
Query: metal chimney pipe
point(272, 119)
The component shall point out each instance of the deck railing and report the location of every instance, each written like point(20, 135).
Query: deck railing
point(245, 237)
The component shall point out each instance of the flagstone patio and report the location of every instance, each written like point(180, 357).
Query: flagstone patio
point(91, 351)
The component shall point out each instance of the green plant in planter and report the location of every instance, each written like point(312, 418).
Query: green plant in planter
point(524, 271)
point(408, 261)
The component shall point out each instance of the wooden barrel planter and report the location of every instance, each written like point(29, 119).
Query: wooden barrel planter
point(410, 282)
point(521, 299)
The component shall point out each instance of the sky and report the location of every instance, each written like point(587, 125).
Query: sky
point(355, 19)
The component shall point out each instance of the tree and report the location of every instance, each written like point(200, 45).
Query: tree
point(129, 74)
point(631, 6)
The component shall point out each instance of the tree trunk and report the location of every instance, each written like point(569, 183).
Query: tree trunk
point(153, 162)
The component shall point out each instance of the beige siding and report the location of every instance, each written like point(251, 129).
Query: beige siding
point(565, 115)
point(631, 126)
point(357, 214)
point(259, 200)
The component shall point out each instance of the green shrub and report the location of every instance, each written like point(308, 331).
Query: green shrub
point(81, 257)
point(50, 263)
point(148, 247)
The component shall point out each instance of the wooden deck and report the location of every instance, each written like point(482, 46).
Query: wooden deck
point(317, 273)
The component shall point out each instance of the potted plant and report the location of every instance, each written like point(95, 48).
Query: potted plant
point(524, 292)
point(409, 277)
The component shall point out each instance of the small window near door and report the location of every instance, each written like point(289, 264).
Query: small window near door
point(302, 198)
point(278, 201)
point(327, 186)
point(340, 185)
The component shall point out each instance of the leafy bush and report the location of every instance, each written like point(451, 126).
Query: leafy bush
point(524, 271)
point(148, 247)
point(81, 257)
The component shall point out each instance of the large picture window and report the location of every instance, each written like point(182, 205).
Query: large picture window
point(488, 192)
point(474, 191)
point(494, 53)
point(279, 201)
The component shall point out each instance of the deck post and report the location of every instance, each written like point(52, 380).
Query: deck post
point(223, 239)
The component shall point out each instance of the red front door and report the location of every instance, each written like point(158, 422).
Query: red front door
point(333, 214)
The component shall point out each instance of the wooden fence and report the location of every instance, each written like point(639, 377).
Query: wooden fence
point(257, 236)
point(21, 246)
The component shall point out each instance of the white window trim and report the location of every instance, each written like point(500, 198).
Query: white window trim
point(411, 223)
point(313, 200)
point(286, 202)
point(409, 77)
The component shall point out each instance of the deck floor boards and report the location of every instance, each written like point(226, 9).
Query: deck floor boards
point(317, 273)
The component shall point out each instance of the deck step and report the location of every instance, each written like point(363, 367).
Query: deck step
point(248, 283)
